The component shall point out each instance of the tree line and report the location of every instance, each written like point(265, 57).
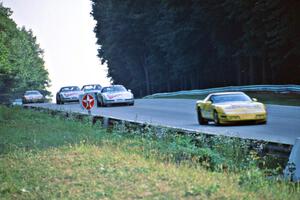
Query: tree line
point(158, 45)
point(21, 60)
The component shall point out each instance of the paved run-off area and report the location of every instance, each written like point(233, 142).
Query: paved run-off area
point(283, 121)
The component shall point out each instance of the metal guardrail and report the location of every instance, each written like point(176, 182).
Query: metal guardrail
point(292, 170)
point(261, 88)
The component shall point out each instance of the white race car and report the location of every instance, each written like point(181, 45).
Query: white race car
point(68, 94)
point(115, 94)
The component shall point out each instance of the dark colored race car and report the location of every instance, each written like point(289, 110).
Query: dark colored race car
point(68, 94)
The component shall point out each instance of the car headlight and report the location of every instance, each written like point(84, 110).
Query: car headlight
point(104, 96)
point(220, 110)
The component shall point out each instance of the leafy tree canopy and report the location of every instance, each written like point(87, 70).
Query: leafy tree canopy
point(158, 45)
point(21, 60)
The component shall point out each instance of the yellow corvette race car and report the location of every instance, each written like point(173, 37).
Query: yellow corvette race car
point(227, 107)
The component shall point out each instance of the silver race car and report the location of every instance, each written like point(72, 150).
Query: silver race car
point(115, 94)
point(32, 96)
point(68, 94)
point(92, 89)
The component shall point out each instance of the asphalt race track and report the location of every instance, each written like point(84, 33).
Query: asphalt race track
point(283, 121)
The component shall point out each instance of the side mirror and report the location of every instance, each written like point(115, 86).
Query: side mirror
point(208, 102)
point(254, 99)
point(129, 90)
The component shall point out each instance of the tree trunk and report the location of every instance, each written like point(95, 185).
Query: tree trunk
point(144, 65)
point(238, 70)
point(263, 68)
point(147, 80)
point(251, 70)
point(168, 79)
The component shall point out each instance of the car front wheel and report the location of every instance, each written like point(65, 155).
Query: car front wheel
point(98, 103)
point(261, 122)
point(201, 120)
point(216, 118)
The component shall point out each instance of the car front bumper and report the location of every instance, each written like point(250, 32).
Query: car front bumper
point(227, 118)
point(70, 99)
point(39, 100)
point(119, 101)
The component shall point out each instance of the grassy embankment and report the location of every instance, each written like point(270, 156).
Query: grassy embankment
point(47, 157)
point(291, 99)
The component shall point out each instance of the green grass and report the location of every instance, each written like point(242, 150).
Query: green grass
point(291, 99)
point(47, 157)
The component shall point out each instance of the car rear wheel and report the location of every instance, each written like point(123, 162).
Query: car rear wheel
point(216, 118)
point(201, 120)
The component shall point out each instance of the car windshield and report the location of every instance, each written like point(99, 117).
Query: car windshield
point(118, 88)
point(32, 93)
point(229, 98)
point(68, 89)
point(91, 87)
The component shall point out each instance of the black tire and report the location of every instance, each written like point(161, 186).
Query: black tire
point(262, 122)
point(98, 103)
point(216, 118)
point(131, 104)
point(101, 103)
point(201, 120)
point(57, 101)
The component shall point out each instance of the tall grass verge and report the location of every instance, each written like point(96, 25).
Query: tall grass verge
point(49, 157)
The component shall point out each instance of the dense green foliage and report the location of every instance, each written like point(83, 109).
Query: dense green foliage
point(50, 157)
point(21, 59)
point(154, 46)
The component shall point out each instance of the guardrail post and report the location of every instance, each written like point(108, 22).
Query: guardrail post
point(292, 170)
point(105, 122)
